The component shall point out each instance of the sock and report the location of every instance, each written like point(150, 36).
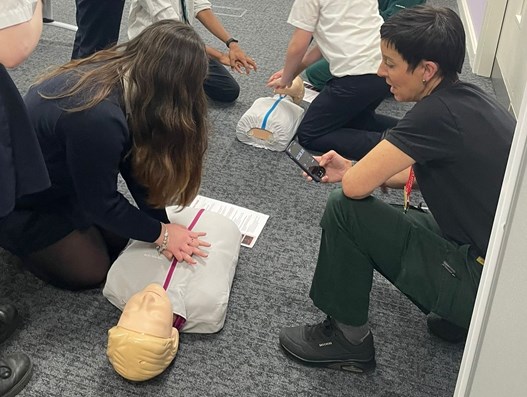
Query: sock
point(353, 334)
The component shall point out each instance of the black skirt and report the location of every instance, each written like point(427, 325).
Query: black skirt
point(25, 230)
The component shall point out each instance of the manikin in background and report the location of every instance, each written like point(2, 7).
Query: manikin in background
point(271, 122)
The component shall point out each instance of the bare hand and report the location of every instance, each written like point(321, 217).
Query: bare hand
point(238, 60)
point(224, 59)
point(277, 82)
point(183, 244)
point(335, 166)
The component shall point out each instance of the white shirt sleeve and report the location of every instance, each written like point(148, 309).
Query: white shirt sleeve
point(144, 13)
point(13, 12)
point(161, 9)
point(304, 14)
point(200, 5)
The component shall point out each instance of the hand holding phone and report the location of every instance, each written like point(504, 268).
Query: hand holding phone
point(305, 160)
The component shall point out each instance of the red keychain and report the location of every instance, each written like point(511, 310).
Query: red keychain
point(408, 189)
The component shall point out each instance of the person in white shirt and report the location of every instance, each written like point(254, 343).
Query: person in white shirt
point(219, 85)
point(346, 33)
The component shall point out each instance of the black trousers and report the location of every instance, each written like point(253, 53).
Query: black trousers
point(98, 24)
point(343, 118)
point(219, 84)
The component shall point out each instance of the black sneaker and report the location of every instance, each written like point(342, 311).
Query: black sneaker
point(9, 320)
point(324, 345)
point(15, 372)
point(444, 329)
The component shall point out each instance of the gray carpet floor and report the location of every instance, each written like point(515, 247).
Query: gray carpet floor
point(65, 333)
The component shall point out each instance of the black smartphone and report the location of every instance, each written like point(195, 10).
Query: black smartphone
point(305, 160)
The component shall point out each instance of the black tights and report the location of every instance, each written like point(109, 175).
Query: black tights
point(78, 261)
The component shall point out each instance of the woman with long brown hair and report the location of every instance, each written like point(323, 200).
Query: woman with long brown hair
point(137, 109)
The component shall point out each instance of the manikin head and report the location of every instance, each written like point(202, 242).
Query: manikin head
point(296, 91)
point(144, 343)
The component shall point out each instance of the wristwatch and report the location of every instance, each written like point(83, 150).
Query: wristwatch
point(231, 40)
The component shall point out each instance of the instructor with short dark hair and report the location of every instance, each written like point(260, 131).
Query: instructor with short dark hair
point(454, 143)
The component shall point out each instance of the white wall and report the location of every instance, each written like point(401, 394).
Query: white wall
point(476, 9)
point(472, 13)
point(511, 54)
point(482, 20)
point(497, 37)
point(472, 40)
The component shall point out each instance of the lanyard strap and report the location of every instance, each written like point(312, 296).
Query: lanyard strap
point(408, 189)
point(184, 11)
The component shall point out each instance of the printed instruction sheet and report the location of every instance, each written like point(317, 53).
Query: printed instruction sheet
point(250, 223)
point(310, 92)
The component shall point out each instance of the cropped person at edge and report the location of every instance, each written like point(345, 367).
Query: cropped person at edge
point(22, 168)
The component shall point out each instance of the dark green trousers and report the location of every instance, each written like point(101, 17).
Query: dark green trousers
point(359, 236)
point(318, 73)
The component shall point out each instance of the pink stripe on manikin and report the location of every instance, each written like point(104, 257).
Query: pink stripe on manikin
point(174, 261)
point(179, 321)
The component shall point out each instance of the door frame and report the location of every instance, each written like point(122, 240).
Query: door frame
point(482, 50)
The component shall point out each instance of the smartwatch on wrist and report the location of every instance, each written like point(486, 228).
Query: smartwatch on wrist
point(231, 40)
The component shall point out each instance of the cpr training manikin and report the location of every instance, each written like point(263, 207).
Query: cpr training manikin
point(161, 298)
point(271, 122)
point(144, 342)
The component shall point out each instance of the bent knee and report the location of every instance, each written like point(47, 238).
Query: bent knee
point(345, 210)
point(304, 138)
point(93, 278)
point(82, 276)
point(226, 94)
point(232, 93)
point(337, 198)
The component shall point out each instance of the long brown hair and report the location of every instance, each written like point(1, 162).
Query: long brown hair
point(164, 67)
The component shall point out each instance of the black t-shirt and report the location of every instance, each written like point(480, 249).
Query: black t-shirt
point(22, 168)
point(84, 152)
point(460, 139)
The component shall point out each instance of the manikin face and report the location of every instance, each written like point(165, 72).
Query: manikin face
point(144, 343)
point(149, 312)
point(405, 85)
point(296, 91)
